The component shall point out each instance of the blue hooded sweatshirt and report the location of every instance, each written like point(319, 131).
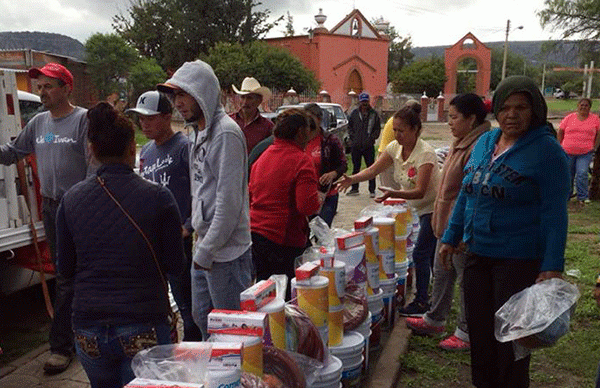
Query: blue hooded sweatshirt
point(516, 206)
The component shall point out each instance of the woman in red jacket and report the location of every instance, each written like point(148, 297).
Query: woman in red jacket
point(283, 193)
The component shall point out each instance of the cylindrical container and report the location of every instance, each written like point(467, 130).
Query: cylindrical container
point(375, 338)
point(365, 329)
point(336, 325)
point(387, 267)
point(401, 218)
point(337, 281)
point(401, 287)
point(313, 298)
point(400, 249)
point(276, 312)
point(252, 355)
point(350, 353)
point(372, 244)
point(387, 233)
point(356, 270)
point(388, 287)
point(330, 375)
point(373, 275)
point(218, 378)
point(324, 332)
point(375, 304)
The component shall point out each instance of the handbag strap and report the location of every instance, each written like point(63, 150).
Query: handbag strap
point(162, 277)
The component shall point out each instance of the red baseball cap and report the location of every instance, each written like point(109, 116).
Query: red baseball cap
point(53, 70)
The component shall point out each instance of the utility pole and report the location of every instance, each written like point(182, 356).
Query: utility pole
point(505, 49)
point(589, 83)
point(543, 77)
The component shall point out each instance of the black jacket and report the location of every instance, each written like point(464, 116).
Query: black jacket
point(364, 130)
point(114, 275)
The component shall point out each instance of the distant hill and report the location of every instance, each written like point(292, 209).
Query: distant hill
point(566, 55)
point(43, 41)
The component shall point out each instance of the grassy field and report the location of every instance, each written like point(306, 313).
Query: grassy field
point(571, 363)
point(562, 107)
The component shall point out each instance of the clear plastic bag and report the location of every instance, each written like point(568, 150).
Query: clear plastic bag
point(185, 362)
point(302, 336)
point(537, 316)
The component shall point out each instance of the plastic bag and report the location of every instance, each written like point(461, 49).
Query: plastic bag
point(320, 233)
point(186, 362)
point(302, 336)
point(543, 310)
point(355, 307)
point(294, 370)
point(281, 282)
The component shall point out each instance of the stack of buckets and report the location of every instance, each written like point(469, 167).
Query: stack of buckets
point(403, 246)
point(387, 270)
point(313, 298)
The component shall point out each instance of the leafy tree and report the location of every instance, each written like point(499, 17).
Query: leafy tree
point(144, 75)
point(427, 75)
point(399, 53)
point(580, 18)
point(175, 31)
point(109, 59)
point(274, 67)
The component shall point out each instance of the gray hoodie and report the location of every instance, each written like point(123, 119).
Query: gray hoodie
point(218, 169)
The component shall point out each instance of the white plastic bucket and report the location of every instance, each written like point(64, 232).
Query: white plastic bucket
point(350, 351)
point(389, 301)
point(229, 377)
point(351, 374)
point(365, 329)
point(375, 304)
point(331, 374)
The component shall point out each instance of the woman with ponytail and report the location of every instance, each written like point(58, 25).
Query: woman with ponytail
point(417, 172)
point(119, 304)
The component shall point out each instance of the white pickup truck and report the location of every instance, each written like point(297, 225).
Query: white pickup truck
point(19, 194)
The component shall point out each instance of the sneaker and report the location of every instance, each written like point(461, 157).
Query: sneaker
point(586, 201)
point(57, 363)
point(454, 343)
point(419, 326)
point(372, 195)
point(352, 192)
point(414, 309)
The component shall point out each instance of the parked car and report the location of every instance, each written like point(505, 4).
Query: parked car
point(29, 105)
point(561, 94)
point(334, 119)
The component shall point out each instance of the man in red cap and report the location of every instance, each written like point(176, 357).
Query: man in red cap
point(58, 137)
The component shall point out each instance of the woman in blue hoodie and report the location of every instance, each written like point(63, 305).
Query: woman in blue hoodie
point(511, 214)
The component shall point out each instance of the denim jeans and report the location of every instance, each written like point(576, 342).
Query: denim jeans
point(423, 257)
point(181, 287)
point(579, 166)
point(61, 332)
point(219, 287)
point(106, 351)
point(329, 209)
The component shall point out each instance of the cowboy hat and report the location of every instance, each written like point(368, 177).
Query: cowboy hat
point(251, 85)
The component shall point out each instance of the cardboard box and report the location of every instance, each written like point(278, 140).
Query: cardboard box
point(350, 240)
point(226, 355)
point(394, 202)
point(363, 223)
point(257, 296)
point(306, 271)
point(238, 322)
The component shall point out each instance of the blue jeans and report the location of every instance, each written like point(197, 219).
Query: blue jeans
point(219, 288)
point(579, 166)
point(423, 257)
point(329, 209)
point(106, 351)
point(357, 155)
point(181, 287)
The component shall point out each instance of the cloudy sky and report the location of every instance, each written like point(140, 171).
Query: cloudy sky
point(428, 22)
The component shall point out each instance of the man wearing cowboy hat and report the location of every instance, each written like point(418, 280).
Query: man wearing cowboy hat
point(255, 127)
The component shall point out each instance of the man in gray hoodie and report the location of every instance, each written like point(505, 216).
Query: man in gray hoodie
point(222, 258)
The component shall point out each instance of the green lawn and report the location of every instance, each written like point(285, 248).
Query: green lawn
point(571, 363)
point(562, 107)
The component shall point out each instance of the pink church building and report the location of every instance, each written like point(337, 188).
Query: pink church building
point(351, 57)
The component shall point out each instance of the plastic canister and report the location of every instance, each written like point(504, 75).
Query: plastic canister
point(372, 244)
point(356, 270)
point(276, 312)
point(387, 267)
point(365, 329)
point(373, 275)
point(389, 301)
point(337, 281)
point(401, 216)
point(252, 358)
point(400, 248)
point(313, 298)
point(218, 378)
point(386, 226)
point(336, 325)
point(330, 375)
point(350, 353)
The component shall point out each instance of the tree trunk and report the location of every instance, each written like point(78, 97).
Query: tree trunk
point(594, 192)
